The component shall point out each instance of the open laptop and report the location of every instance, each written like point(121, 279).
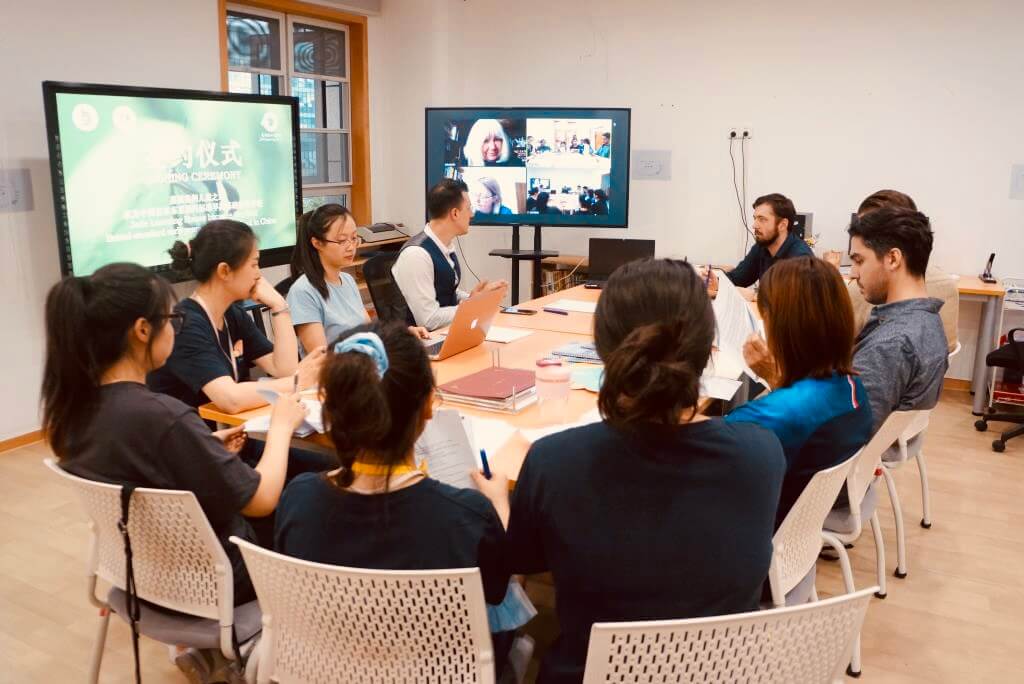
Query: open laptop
point(607, 254)
point(469, 328)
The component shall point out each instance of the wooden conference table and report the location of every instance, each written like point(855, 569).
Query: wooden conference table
point(548, 331)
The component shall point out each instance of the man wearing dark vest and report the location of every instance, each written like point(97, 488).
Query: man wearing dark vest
point(427, 271)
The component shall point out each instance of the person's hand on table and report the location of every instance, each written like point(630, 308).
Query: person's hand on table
point(759, 358)
point(233, 439)
point(419, 332)
point(289, 411)
point(309, 367)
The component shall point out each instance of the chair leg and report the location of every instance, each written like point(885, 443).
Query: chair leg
point(853, 669)
point(814, 593)
point(897, 514)
point(926, 505)
point(97, 649)
point(844, 560)
point(876, 532)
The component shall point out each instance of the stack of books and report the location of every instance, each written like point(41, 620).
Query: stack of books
point(493, 389)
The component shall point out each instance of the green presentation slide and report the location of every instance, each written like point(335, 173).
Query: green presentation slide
point(142, 172)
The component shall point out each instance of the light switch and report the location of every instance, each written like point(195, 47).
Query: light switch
point(15, 190)
point(651, 164)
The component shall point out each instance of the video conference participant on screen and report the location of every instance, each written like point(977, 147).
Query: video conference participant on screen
point(485, 196)
point(773, 216)
point(605, 150)
point(487, 144)
point(427, 270)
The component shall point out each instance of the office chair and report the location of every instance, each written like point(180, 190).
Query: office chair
point(387, 298)
point(285, 285)
point(1011, 357)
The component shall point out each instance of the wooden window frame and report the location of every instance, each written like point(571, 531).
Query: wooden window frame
point(359, 96)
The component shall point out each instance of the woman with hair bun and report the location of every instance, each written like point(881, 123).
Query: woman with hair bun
point(657, 512)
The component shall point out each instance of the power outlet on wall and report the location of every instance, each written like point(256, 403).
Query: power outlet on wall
point(740, 133)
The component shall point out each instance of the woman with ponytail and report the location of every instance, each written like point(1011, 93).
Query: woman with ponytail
point(657, 512)
point(379, 510)
point(324, 300)
point(224, 258)
point(104, 333)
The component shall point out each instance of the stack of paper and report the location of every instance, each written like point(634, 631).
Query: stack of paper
point(447, 450)
point(584, 352)
point(313, 422)
point(505, 335)
point(734, 321)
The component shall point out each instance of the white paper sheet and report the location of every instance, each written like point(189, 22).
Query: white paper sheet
point(505, 335)
point(577, 305)
point(446, 448)
point(314, 421)
point(487, 434)
point(734, 321)
point(718, 388)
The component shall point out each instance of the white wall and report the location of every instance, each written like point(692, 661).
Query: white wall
point(172, 44)
point(842, 100)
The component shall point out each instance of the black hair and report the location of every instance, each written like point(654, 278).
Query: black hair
point(533, 191)
point(444, 197)
point(366, 413)
point(542, 201)
point(781, 206)
point(221, 241)
point(88, 321)
point(653, 328)
point(305, 257)
point(896, 228)
point(886, 198)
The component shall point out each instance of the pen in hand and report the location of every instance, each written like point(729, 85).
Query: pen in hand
point(483, 462)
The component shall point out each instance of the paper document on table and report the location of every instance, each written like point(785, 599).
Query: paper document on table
point(504, 335)
point(577, 305)
point(313, 422)
point(592, 416)
point(446, 448)
point(487, 434)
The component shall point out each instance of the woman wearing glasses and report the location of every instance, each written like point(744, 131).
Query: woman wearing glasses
point(104, 333)
point(324, 300)
point(485, 198)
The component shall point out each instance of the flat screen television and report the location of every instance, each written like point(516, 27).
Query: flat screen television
point(135, 169)
point(534, 166)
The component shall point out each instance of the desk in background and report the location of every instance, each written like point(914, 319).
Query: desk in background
point(971, 289)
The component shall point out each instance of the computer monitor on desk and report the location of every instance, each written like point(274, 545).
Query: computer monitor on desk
point(803, 225)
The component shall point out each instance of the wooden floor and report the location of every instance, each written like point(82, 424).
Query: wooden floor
point(957, 617)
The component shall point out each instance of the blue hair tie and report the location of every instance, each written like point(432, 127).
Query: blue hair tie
point(366, 343)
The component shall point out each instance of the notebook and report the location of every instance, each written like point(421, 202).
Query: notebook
point(491, 384)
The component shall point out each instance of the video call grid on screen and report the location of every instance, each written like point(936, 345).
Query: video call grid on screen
point(134, 169)
point(545, 166)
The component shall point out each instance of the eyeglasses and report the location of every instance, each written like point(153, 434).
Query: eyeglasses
point(356, 241)
point(177, 320)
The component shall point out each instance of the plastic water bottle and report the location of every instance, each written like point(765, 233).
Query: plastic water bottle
point(553, 388)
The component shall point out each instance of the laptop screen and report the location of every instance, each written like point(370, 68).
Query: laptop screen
point(607, 254)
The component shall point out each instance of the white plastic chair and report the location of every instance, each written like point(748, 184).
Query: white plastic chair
point(797, 542)
point(178, 563)
point(326, 623)
point(810, 643)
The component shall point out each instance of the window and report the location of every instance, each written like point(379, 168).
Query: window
point(271, 53)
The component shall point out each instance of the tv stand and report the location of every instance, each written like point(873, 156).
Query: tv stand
point(516, 255)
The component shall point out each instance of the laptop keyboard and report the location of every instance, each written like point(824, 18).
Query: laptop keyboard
point(434, 348)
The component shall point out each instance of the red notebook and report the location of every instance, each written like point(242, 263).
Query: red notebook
point(495, 384)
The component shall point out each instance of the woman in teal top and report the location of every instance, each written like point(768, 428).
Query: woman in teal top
point(818, 409)
point(324, 300)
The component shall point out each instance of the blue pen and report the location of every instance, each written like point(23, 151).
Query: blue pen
point(556, 311)
point(483, 461)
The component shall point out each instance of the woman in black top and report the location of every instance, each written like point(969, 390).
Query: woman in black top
point(657, 512)
point(204, 367)
point(378, 510)
point(103, 334)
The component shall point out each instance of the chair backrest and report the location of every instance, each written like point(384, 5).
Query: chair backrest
point(387, 298)
point(325, 623)
point(797, 542)
point(177, 560)
point(285, 285)
point(808, 643)
point(863, 472)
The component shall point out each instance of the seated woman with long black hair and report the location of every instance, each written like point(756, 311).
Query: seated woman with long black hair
point(657, 512)
point(104, 333)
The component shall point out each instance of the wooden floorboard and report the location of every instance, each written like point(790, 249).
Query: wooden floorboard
point(958, 616)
